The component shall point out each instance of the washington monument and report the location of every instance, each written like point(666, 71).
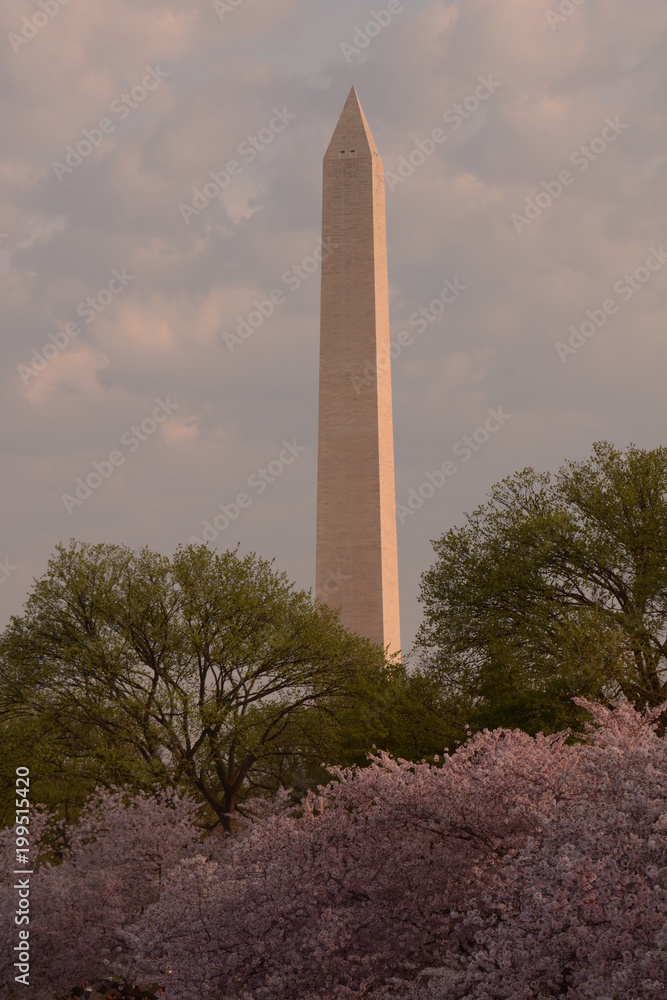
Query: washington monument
point(357, 566)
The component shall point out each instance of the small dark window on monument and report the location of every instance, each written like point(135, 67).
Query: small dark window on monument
point(342, 150)
point(352, 150)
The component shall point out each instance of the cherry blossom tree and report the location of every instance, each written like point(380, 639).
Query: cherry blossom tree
point(580, 908)
point(113, 864)
point(517, 867)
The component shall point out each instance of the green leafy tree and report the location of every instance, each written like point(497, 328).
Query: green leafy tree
point(556, 587)
point(406, 713)
point(204, 670)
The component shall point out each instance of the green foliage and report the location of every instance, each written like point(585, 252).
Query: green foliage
point(206, 671)
point(59, 777)
point(556, 587)
point(405, 713)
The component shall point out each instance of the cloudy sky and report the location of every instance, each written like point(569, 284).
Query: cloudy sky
point(122, 290)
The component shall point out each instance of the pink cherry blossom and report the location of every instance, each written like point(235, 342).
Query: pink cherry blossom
point(516, 867)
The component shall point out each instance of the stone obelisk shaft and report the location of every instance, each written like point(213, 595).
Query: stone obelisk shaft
point(357, 567)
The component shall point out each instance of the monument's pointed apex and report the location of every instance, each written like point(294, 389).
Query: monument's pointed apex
point(352, 133)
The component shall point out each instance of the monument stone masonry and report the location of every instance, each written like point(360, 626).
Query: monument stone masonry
point(357, 565)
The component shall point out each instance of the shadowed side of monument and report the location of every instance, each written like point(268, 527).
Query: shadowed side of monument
point(357, 565)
